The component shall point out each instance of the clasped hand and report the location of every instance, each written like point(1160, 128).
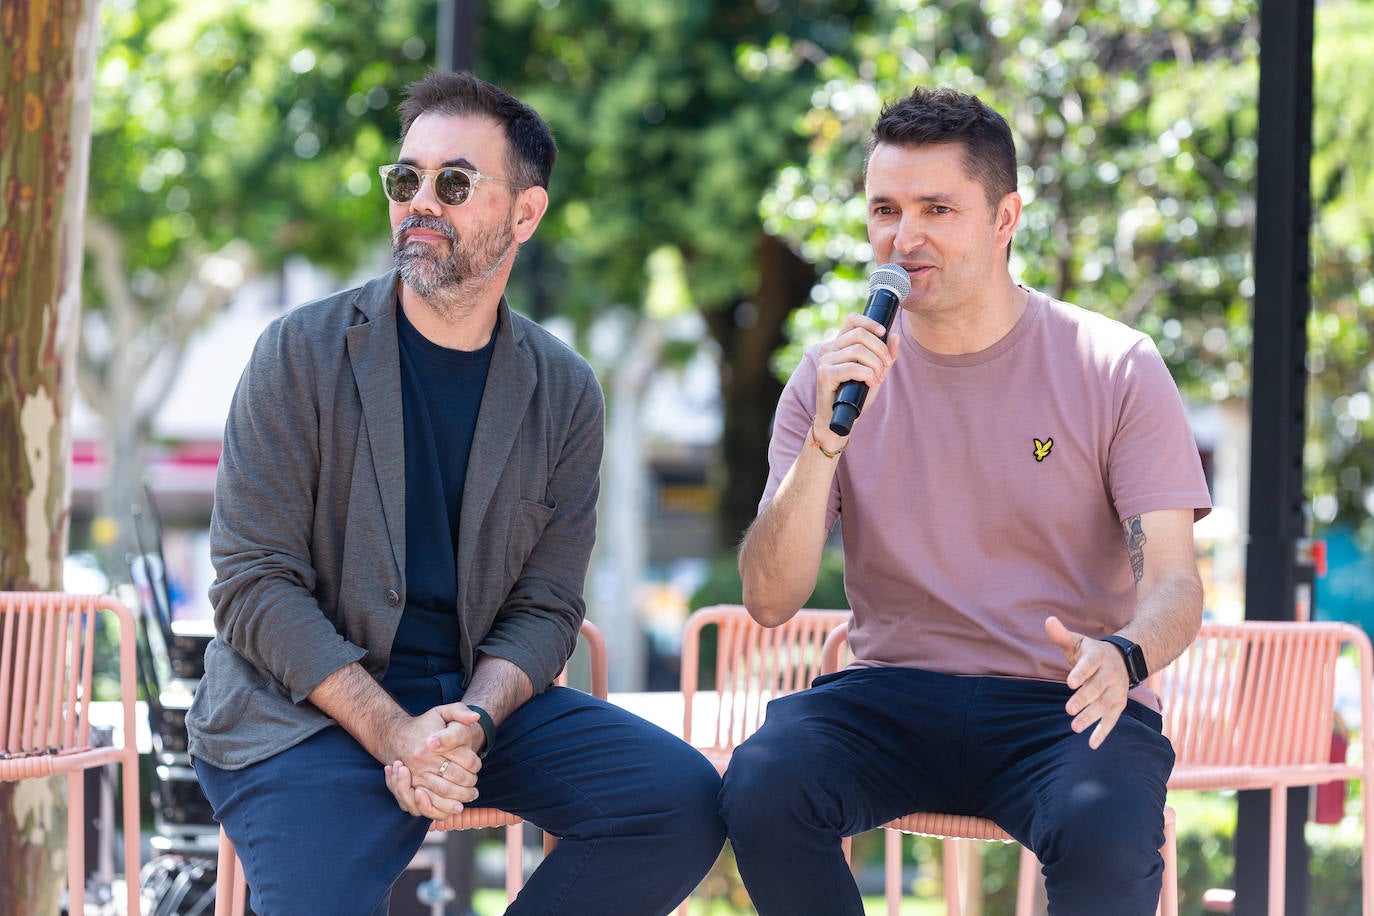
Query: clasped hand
point(434, 765)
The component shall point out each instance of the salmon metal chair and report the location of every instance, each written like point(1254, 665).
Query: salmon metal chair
point(753, 664)
point(952, 828)
point(1252, 705)
point(230, 888)
point(47, 652)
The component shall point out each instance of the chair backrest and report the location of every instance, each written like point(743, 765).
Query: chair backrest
point(596, 659)
point(47, 666)
point(753, 664)
point(47, 655)
point(1259, 693)
point(1245, 696)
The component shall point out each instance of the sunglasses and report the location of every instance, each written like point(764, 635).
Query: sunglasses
point(452, 185)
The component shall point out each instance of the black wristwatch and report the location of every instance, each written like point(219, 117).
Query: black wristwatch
point(488, 729)
point(1133, 655)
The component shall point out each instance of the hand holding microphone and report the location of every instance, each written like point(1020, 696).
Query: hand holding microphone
point(887, 287)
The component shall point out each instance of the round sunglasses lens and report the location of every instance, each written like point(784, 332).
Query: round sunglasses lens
point(402, 184)
point(452, 186)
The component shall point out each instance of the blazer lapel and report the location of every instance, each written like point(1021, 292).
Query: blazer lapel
point(374, 355)
point(510, 383)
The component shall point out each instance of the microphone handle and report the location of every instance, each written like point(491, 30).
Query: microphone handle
point(849, 399)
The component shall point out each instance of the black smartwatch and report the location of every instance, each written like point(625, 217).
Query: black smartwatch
point(488, 729)
point(1133, 655)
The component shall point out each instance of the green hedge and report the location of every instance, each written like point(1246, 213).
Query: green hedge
point(722, 584)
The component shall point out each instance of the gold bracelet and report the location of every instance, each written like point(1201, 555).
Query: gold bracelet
point(825, 451)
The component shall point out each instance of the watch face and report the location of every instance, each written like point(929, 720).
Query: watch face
point(1135, 661)
point(1134, 657)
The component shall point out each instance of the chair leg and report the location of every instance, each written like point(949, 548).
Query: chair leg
point(133, 840)
point(1027, 877)
point(1367, 795)
point(892, 871)
point(1278, 850)
point(1168, 893)
point(229, 900)
point(76, 842)
point(224, 875)
point(949, 858)
point(515, 859)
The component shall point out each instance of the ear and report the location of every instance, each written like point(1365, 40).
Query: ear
point(530, 206)
point(1008, 215)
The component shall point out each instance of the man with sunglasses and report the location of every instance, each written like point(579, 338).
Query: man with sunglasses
point(403, 519)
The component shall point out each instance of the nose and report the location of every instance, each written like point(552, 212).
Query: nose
point(910, 235)
point(425, 200)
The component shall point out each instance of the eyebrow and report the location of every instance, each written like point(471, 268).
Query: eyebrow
point(947, 199)
point(461, 162)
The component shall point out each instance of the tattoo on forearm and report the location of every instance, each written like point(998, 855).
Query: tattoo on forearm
point(1135, 545)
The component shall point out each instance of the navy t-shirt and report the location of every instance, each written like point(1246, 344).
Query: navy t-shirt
point(441, 392)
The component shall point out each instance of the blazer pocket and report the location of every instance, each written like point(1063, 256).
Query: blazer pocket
point(216, 713)
point(527, 525)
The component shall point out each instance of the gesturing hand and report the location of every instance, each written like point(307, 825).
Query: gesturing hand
point(1097, 677)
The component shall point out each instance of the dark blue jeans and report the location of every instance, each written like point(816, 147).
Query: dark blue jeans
point(634, 808)
point(863, 747)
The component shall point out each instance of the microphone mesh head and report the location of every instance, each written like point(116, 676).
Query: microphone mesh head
point(891, 278)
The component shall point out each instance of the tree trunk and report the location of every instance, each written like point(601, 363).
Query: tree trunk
point(748, 334)
point(130, 373)
point(46, 81)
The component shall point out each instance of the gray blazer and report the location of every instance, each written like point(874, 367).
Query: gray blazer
point(308, 531)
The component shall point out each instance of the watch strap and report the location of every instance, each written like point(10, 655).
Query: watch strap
point(488, 729)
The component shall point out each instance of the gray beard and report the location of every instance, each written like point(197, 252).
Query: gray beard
point(435, 274)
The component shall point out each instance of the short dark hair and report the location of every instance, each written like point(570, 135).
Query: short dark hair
point(532, 150)
point(943, 115)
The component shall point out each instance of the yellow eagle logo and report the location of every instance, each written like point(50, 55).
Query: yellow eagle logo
point(1042, 449)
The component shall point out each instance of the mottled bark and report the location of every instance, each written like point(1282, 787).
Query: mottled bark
point(46, 70)
point(748, 335)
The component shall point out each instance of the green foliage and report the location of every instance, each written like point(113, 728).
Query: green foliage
point(699, 126)
point(1136, 149)
point(1339, 464)
point(722, 584)
point(1138, 157)
point(1206, 824)
point(1335, 865)
point(222, 120)
point(671, 119)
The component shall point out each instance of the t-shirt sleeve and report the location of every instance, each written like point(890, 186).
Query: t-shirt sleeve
point(791, 426)
point(1153, 462)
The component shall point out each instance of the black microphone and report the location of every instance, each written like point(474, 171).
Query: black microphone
point(887, 287)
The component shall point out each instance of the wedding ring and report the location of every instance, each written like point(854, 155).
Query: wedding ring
point(443, 766)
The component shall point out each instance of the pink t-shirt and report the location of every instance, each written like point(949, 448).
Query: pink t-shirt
point(983, 492)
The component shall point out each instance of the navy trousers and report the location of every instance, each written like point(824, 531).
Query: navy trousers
point(634, 808)
point(865, 746)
